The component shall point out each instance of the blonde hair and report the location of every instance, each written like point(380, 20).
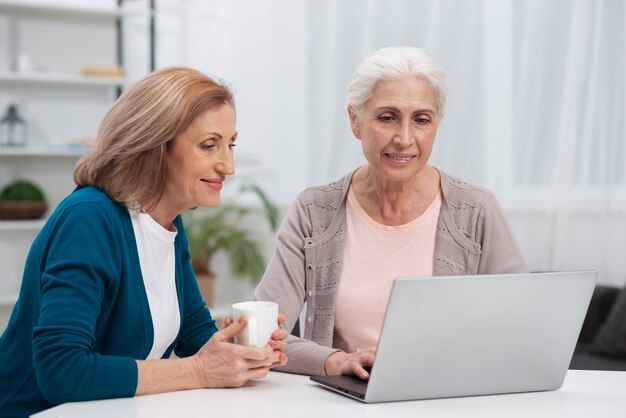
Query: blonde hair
point(128, 161)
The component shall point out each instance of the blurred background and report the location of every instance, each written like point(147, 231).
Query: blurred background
point(536, 105)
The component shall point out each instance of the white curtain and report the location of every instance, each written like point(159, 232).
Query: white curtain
point(536, 110)
point(569, 133)
point(536, 107)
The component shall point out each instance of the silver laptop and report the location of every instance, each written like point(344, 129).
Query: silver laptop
point(474, 335)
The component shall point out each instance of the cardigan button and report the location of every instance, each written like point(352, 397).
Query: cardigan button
point(310, 267)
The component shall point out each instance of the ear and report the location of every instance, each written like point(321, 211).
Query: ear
point(354, 122)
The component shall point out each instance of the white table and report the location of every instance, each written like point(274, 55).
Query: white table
point(584, 394)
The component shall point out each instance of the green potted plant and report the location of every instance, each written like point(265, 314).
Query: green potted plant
point(22, 199)
point(222, 229)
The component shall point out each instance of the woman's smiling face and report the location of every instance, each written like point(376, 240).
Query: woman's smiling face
point(397, 127)
point(199, 159)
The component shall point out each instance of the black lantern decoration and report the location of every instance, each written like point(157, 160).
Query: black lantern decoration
point(12, 128)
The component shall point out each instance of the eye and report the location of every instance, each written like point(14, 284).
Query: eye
point(422, 121)
point(386, 118)
point(206, 146)
point(232, 145)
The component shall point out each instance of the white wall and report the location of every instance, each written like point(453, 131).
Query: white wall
point(288, 62)
point(260, 49)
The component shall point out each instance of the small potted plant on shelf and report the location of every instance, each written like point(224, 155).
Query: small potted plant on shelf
point(222, 228)
point(22, 199)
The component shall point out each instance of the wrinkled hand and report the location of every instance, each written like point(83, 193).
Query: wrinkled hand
point(277, 342)
point(351, 363)
point(220, 363)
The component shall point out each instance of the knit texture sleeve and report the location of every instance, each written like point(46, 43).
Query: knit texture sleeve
point(500, 252)
point(284, 283)
point(81, 261)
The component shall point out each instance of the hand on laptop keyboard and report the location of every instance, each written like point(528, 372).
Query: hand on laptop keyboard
point(357, 364)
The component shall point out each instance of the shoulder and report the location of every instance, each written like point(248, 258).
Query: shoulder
point(89, 204)
point(317, 207)
point(88, 194)
point(86, 224)
point(458, 192)
point(326, 197)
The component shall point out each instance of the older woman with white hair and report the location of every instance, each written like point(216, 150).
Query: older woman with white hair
point(341, 245)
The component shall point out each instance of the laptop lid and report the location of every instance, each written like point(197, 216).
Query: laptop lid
point(451, 336)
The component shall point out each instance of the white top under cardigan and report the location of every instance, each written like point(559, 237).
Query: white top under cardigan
point(155, 246)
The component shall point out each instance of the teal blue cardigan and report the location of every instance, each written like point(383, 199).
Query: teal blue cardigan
point(82, 317)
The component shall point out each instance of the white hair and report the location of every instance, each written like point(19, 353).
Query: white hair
point(393, 62)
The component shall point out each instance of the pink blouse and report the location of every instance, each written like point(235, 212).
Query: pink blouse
point(374, 255)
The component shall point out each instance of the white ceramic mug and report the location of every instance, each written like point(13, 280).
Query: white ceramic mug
point(262, 322)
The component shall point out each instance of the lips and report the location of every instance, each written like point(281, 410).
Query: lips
point(400, 158)
point(215, 184)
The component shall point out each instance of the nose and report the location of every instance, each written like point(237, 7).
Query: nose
point(403, 137)
point(226, 163)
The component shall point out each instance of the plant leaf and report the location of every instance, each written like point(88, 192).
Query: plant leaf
point(270, 210)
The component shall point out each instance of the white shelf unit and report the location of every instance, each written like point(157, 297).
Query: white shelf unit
point(59, 78)
point(61, 107)
point(86, 8)
point(44, 151)
point(26, 225)
point(53, 173)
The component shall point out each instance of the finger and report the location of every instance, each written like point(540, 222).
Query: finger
point(266, 362)
point(281, 361)
point(227, 321)
point(284, 359)
point(229, 332)
point(259, 363)
point(360, 372)
point(366, 359)
point(278, 345)
point(281, 318)
point(365, 356)
point(258, 373)
point(280, 334)
point(255, 353)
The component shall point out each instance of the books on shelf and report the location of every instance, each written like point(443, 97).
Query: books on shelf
point(107, 71)
point(61, 78)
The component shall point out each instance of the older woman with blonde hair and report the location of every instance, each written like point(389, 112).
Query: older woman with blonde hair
point(108, 291)
point(341, 245)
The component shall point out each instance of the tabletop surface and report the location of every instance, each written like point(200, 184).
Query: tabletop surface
point(583, 394)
